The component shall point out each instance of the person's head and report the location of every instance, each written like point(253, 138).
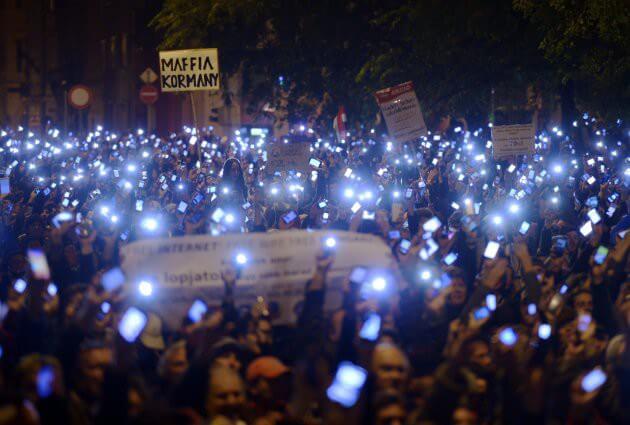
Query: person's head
point(226, 393)
point(583, 302)
point(389, 366)
point(264, 334)
point(227, 353)
point(458, 289)
point(269, 382)
point(232, 169)
point(464, 415)
point(94, 358)
point(71, 255)
point(173, 362)
point(389, 408)
point(476, 353)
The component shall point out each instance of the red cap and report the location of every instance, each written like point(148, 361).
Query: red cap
point(266, 367)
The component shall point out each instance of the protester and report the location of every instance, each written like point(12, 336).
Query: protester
point(508, 296)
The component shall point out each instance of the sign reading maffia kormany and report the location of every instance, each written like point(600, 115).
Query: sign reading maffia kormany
point(189, 70)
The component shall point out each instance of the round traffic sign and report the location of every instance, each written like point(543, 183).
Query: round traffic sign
point(149, 94)
point(80, 96)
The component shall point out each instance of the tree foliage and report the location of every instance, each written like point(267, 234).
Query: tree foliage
point(454, 51)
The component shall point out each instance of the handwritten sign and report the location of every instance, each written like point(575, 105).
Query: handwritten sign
point(189, 70)
point(402, 112)
point(508, 140)
point(288, 156)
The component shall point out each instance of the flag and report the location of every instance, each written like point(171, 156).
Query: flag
point(339, 123)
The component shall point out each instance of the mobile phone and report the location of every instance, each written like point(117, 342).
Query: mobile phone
point(371, 327)
point(586, 229)
point(346, 386)
point(112, 279)
point(450, 258)
point(368, 215)
point(560, 242)
point(61, 218)
point(593, 380)
point(394, 234)
point(481, 313)
point(132, 324)
point(182, 207)
point(5, 187)
point(592, 202)
point(289, 217)
point(45, 381)
point(544, 331)
point(314, 162)
point(524, 228)
point(39, 264)
point(323, 204)
point(355, 207)
point(584, 321)
point(246, 205)
point(20, 286)
point(139, 205)
point(594, 216)
point(408, 193)
point(491, 250)
point(197, 310)
point(491, 302)
point(358, 275)
point(508, 337)
point(217, 215)
point(197, 199)
point(404, 246)
point(600, 254)
point(52, 289)
point(432, 224)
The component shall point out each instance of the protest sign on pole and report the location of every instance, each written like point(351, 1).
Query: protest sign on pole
point(402, 112)
point(288, 156)
point(508, 140)
point(189, 70)
point(279, 265)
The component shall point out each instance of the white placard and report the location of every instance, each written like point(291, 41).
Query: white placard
point(402, 112)
point(189, 70)
point(508, 140)
point(280, 263)
point(288, 156)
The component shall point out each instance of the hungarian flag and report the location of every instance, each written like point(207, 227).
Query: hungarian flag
point(339, 123)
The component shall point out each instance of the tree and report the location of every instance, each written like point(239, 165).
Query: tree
point(588, 42)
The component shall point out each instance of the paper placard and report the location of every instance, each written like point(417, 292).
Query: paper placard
point(402, 112)
point(288, 156)
point(189, 70)
point(509, 140)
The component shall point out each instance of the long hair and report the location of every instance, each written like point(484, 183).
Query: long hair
point(237, 182)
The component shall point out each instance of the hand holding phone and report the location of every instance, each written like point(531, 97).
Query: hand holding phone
point(132, 324)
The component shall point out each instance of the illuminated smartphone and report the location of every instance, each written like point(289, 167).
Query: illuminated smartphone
point(594, 216)
point(586, 229)
point(139, 205)
point(132, 324)
point(481, 313)
point(450, 258)
point(182, 207)
point(39, 264)
point(432, 224)
point(600, 254)
point(289, 217)
point(20, 286)
point(404, 246)
point(5, 188)
point(491, 250)
point(544, 331)
point(323, 204)
point(355, 207)
point(508, 337)
point(394, 234)
point(371, 327)
point(593, 380)
point(197, 310)
point(346, 386)
point(358, 274)
point(368, 215)
point(408, 193)
point(315, 162)
point(491, 302)
point(112, 279)
point(524, 228)
point(45, 381)
point(61, 218)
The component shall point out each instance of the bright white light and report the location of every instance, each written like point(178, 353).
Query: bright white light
point(330, 242)
point(557, 169)
point(513, 208)
point(497, 219)
point(379, 284)
point(145, 288)
point(241, 259)
point(425, 275)
point(150, 224)
point(348, 193)
point(229, 218)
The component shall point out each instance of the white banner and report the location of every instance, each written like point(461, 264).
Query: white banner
point(189, 70)
point(280, 263)
point(402, 112)
point(288, 156)
point(508, 140)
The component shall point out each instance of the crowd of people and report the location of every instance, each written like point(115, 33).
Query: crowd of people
point(509, 301)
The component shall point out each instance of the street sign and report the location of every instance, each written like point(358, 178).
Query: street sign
point(80, 96)
point(148, 76)
point(149, 94)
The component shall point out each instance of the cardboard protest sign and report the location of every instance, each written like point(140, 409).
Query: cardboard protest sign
point(508, 140)
point(279, 265)
point(402, 112)
point(189, 70)
point(288, 156)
